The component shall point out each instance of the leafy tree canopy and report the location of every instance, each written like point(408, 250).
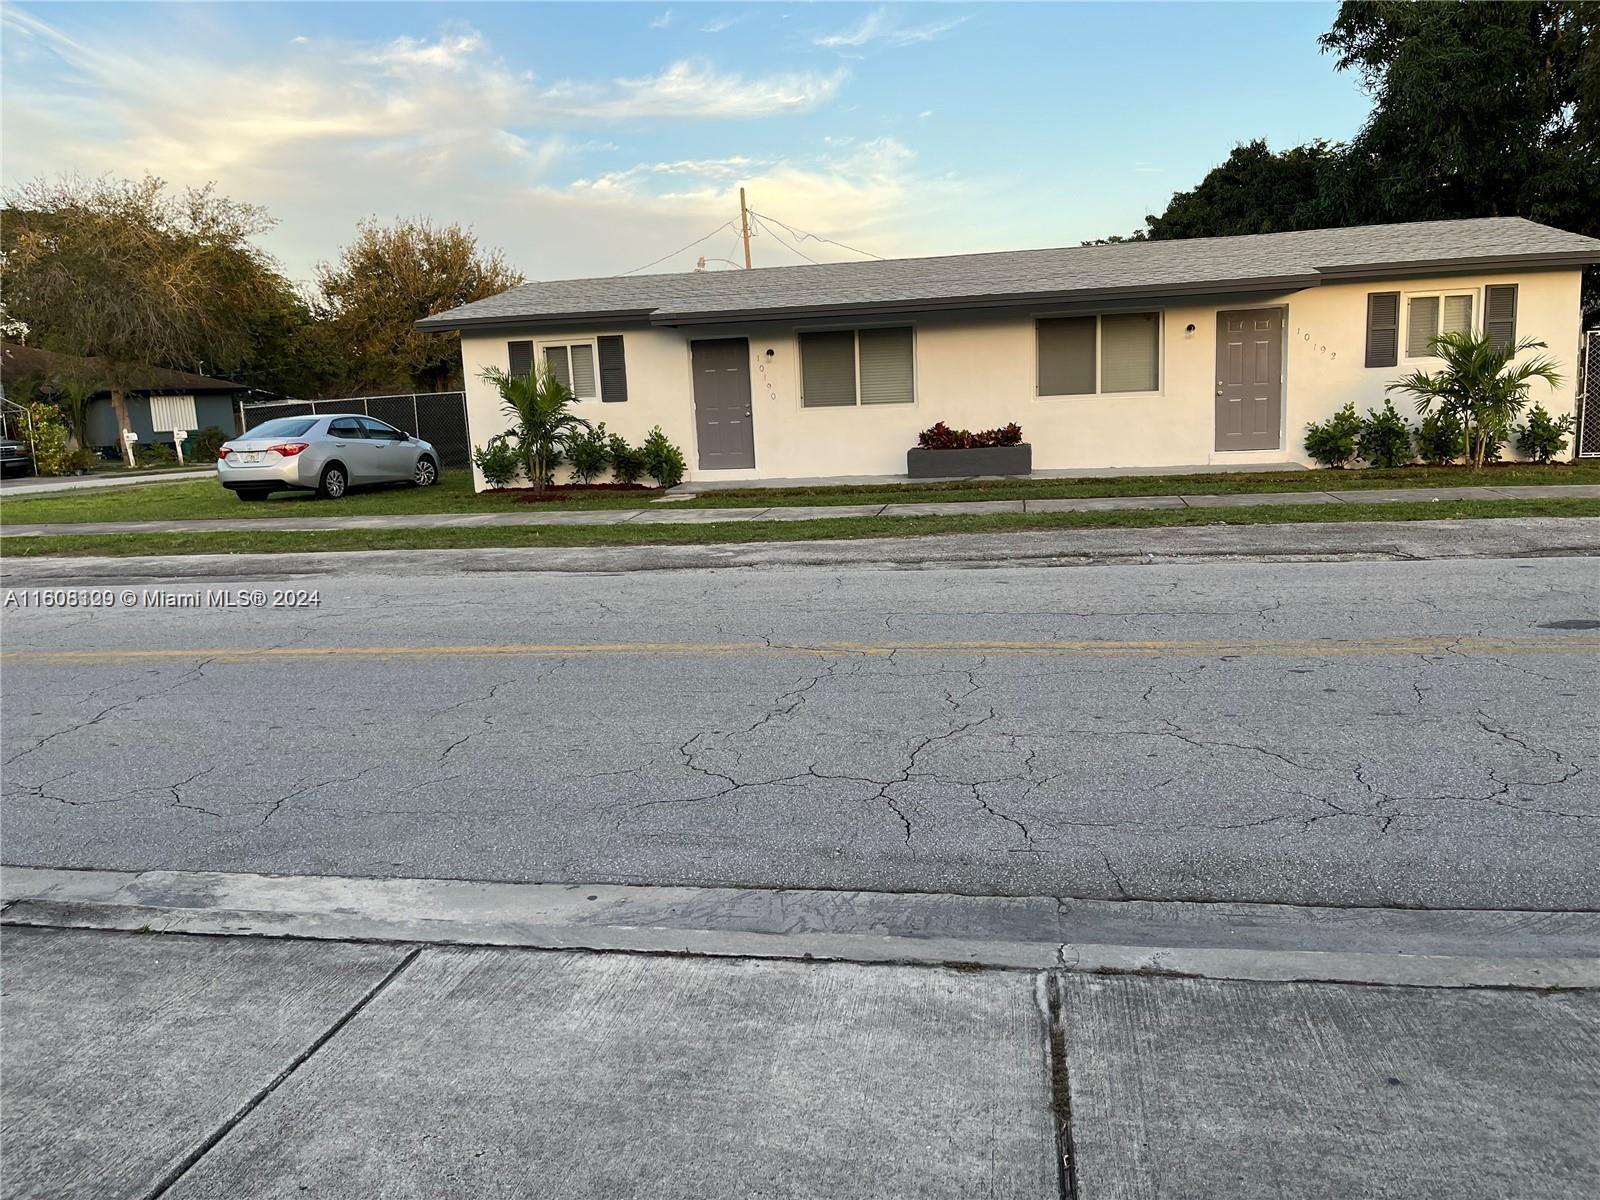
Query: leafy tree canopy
point(392, 276)
point(131, 274)
point(1478, 110)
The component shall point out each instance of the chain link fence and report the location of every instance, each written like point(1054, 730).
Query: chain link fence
point(1588, 440)
point(437, 417)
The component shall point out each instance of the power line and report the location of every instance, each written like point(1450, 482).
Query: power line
point(780, 241)
point(801, 235)
point(680, 249)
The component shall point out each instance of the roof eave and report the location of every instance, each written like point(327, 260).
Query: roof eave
point(444, 323)
point(1029, 299)
point(1463, 266)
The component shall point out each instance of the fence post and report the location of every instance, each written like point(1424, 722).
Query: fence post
point(416, 417)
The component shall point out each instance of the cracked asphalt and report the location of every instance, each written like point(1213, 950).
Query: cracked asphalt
point(1340, 733)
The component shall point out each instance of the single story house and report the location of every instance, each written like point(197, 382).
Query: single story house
point(164, 400)
point(1134, 354)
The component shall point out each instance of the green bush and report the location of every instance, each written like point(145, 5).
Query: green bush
point(627, 462)
point(662, 459)
point(48, 440)
point(154, 454)
point(1542, 437)
point(81, 460)
point(498, 461)
point(1333, 442)
point(1385, 437)
point(206, 443)
point(589, 452)
point(1440, 438)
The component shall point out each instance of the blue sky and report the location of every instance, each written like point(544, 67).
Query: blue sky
point(590, 139)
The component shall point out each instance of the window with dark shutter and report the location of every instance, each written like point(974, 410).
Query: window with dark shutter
point(1066, 352)
point(521, 356)
point(1383, 329)
point(1500, 314)
point(828, 369)
point(613, 370)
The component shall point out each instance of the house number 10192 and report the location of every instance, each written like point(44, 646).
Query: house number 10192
point(1305, 336)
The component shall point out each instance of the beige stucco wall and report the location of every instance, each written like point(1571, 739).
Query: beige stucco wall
point(977, 371)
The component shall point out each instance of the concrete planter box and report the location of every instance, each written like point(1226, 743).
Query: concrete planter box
point(984, 460)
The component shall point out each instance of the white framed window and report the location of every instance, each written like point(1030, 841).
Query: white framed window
point(573, 363)
point(847, 368)
point(1429, 314)
point(1098, 355)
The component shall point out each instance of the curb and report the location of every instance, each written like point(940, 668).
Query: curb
point(1272, 943)
point(1341, 541)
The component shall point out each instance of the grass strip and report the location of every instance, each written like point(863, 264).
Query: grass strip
point(831, 528)
point(202, 498)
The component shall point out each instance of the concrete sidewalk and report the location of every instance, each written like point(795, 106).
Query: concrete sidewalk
point(33, 485)
point(156, 1063)
point(707, 516)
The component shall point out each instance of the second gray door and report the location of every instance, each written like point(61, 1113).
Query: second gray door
point(722, 404)
point(1250, 379)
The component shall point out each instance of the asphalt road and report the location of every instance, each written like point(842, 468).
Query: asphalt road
point(1373, 733)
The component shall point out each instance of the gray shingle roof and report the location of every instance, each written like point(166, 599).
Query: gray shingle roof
point(1271, 260)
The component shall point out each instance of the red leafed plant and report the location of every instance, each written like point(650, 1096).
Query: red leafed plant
point(942, 437)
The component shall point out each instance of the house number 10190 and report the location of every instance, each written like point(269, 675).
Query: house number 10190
point(1305, 336)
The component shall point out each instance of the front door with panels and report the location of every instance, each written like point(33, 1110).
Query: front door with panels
point(722, 404)
point(1250, 379)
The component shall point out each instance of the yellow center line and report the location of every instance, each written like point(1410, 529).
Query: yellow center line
point(1301, 647)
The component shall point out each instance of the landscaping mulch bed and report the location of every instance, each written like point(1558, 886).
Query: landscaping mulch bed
point(557, 492)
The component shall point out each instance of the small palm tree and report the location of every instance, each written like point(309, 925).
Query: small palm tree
point(1479, 385)
point(73, 390)
point(540, 406)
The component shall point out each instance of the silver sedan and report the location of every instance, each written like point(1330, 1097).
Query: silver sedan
point(327, 454)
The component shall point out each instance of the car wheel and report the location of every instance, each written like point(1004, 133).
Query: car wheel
point(252, 493)
point(333, 482)
point(427, 472)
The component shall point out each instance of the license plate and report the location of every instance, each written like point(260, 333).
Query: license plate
point(250, 456)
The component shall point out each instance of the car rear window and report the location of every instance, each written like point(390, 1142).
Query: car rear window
point(282, 427)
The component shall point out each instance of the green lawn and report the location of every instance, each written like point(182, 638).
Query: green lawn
point(270, 541)
point(200, 498)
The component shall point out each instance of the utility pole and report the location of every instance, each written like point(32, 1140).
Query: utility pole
point(744, 228)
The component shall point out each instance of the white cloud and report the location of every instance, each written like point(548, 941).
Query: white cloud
point(886, 25)
point(450, 52)
point(663, 21)
point(720, 24)
point(324, 133)
point(694, 89)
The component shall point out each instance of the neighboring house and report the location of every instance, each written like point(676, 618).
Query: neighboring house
point(165, 399)
point(1137, 354)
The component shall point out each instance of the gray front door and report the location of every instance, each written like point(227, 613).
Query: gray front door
point(1250, 379)
point(722, 404)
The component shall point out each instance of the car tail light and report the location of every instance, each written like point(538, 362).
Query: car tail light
point(223, 452)
point(289, 449)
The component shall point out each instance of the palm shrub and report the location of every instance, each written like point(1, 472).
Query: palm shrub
point(589, 453)
point(1439, 438)
point(662, 459)
point(1333, 442)
point(627, 462)
point(1481, 384)
point(540, 406)
point(73, 389)
point(1384, 439)
point(1543, 437)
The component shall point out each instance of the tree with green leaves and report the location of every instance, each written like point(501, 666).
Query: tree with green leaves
point(1254, 191)
point(1480, 385)
point(540, 406)
point(1478, 110)
point(133, 275)
point(389, 278)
